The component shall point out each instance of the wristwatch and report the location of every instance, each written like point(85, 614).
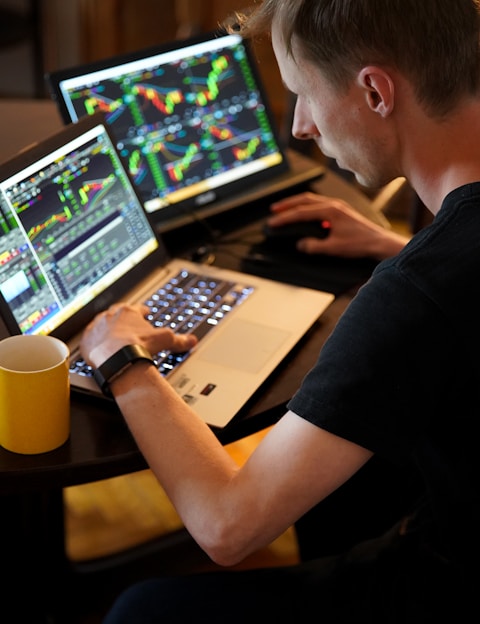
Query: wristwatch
point(118, 363)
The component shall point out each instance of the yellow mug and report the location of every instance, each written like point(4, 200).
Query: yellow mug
point(34, 393)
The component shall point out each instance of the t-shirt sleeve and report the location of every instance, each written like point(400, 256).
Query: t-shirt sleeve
point(364, 386)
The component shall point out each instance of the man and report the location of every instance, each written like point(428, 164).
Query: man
point(387, 88)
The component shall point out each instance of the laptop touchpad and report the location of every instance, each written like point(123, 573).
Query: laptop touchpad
point(244, 345)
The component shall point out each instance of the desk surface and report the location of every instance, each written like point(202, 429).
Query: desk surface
point(100, 445)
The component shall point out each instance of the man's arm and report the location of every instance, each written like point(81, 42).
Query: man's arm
point(230, 511)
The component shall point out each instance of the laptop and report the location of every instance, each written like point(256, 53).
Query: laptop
point(192, 121)
point(75, 238)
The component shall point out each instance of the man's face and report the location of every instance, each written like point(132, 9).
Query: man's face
point(341, 123)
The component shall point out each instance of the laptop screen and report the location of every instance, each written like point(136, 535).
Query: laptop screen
point(70, 226)
point(190, 119)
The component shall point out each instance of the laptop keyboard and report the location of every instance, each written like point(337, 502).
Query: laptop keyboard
point(187, 303)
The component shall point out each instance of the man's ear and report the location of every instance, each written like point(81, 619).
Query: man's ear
point(379, 89)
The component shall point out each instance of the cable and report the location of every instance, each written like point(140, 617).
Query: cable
point(205, 253)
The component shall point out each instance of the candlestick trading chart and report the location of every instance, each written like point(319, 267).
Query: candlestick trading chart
point(65, 225)
point(186, 121)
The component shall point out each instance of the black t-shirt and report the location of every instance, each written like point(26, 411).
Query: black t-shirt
point(400, 374)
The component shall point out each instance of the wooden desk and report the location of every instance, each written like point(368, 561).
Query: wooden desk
point(100, 445)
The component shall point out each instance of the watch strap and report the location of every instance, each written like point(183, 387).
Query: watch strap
point(117, 363)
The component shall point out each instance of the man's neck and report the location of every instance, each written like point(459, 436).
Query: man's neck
point(445, 154)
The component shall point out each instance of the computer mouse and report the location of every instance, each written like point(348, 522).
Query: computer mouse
point(286, 236)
